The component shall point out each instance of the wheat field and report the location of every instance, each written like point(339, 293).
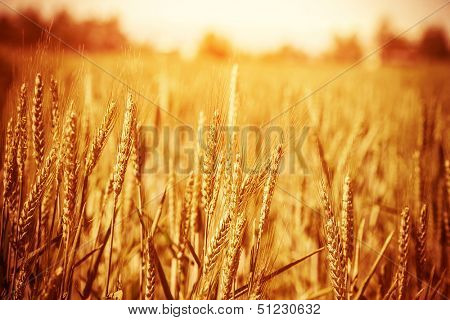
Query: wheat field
point(160, 178)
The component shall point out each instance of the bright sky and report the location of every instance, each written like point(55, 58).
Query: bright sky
point(251, 24)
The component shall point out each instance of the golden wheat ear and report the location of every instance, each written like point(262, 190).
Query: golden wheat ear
point(420, 248)
point(231, 260)
point(37, 121)
point(22, 133)
point(101, 137)
point(120, 168)
point(70, 188)
point(336, 262)
point(403, 242)
point(54, 106)
point(347, 220)
point(33, 200)
point(150, 286)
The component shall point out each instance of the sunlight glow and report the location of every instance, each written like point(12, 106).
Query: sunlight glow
point(252, 25)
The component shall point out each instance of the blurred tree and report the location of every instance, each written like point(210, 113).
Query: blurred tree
point(6, 73)
point(434, 44)
point(215, 46)
point(92, 34)
point(384, 32)
point(16, 30)
point(287, 53)
point(346, 48)
point(393, 48)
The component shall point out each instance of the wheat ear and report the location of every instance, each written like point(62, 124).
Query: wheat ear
point(69, 176)
point(34, 199)
point(216, 244)
point(10, 169)
point(336, 262)
point(55, 106)
point(209, 163)
point(269, 189)
point(403, 242)
point(21, 131)
point(120, 169)
point(38, 121)
point(421, 236)
point(447, 179)
point(101, 137)
point(150, 270)
point(347, 219)
point(231, 260)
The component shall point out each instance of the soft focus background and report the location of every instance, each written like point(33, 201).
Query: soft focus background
point(252, 25)
point(298, 31)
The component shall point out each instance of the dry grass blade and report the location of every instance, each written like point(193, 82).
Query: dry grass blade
point(365, 283)
point(158, 215)
point(194, 254)
point(244, 289)
point(162, 278)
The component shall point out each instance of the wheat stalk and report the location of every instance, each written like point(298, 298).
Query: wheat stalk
point(54, 106)
point(173, 219)
point(10, 170)
point(138, 154)
point(197, 185)
point(403, 242)
point(101, 137)
point(120, 168)
point(269, 188)
point(138, 160)
point(336, 262)
point(150, 270)
point(418, 180)
point(232, 253)
point(70, 176)
point(124, 147)
point(38, 121)
point(34, 199)
point(209, 163)
point(347, 219)
point(218, 241)
point(21, 132)
point(447, 179)
point(20, 283)
point(231, 261)
point(421, 236)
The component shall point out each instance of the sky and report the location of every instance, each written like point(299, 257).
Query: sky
point(252, 25)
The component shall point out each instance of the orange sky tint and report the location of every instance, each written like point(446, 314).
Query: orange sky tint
point(251, 24)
